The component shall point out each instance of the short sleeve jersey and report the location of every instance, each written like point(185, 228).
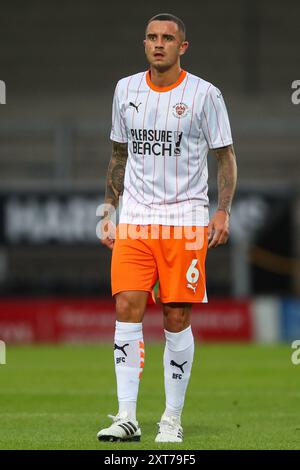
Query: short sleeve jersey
point(169, 131)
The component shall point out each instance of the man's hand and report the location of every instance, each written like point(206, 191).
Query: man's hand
point(108, 233)
point(218, 229)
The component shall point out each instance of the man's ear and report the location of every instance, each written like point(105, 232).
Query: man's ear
point(183, 48)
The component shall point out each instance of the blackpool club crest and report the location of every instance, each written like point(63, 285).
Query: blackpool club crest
point(180, 110)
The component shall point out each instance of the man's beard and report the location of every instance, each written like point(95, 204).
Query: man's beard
point(162, 67)
point(158, 66)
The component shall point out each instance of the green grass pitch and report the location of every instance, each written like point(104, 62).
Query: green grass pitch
point(239, 397)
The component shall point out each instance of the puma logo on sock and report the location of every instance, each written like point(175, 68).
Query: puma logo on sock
point(121, 348)
point(180, 366)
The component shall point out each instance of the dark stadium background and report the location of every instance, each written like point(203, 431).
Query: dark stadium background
point(60, 62)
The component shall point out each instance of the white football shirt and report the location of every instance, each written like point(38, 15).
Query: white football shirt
point(169, 131)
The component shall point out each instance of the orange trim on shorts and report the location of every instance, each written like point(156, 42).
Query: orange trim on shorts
point(162, 89)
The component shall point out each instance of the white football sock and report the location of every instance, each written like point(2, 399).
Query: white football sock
point(129, 362)
point(178, 360)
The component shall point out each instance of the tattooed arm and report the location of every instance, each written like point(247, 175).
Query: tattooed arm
point(114, 189)
point(116, 174)
point(227, 175)
point(218, 229)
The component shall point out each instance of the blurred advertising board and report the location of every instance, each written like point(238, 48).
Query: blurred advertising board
point(48, 218)
point(72, 320)
point(66, 217)
point(290, 319)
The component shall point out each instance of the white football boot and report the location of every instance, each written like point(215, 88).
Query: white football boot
point(123, 429)
point(170, 430)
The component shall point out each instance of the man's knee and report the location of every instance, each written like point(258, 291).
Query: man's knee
point(129, 307)
point(176, 317)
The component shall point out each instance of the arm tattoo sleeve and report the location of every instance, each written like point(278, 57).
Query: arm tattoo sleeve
point(227, 176)
point(116, 174)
